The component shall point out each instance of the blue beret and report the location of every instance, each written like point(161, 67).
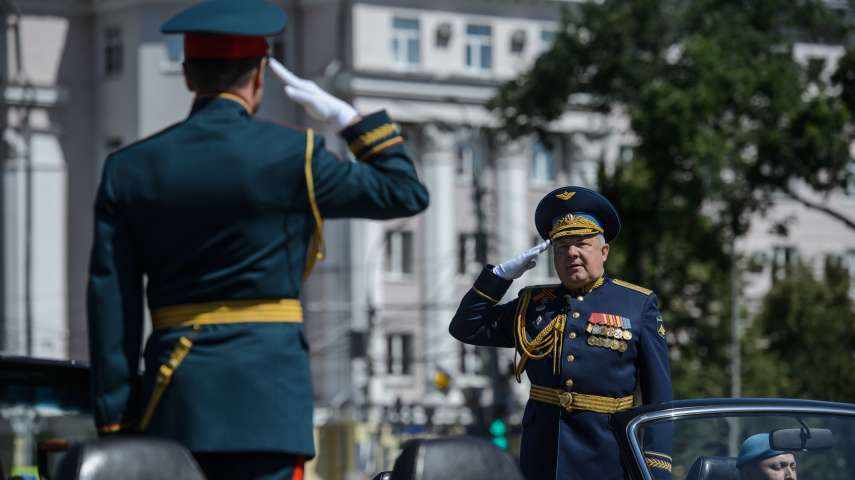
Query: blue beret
point(756, 447)
point(592, 213)
point(230, 17)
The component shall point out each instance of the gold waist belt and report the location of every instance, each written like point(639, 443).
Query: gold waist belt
point(286, 310)
point(580, 401)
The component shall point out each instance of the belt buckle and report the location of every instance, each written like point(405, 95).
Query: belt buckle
point(565, 399)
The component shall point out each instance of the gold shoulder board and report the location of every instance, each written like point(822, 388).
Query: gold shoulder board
point(632, 286)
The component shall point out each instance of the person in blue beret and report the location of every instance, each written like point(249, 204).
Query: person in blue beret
point(591, 346)
point(757, 460)
point(216, 221)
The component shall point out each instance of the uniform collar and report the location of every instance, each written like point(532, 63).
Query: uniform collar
point(576, 292)
point(222, 101)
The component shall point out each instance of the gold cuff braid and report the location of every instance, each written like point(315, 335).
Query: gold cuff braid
point(658, 463)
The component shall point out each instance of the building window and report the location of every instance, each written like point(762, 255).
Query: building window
point(545, 262)
point(471, 253)
point(113, 51)
point(470, 359)
point(399, 356)
point(399, 254)
point(626, 153)
point(542, 164)
point(547, 38)
point(466, 161)
point(815, 68)
point(783, 257)
point(479, 48)
point(405, 42)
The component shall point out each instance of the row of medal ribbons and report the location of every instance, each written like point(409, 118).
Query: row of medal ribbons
point(609, 331)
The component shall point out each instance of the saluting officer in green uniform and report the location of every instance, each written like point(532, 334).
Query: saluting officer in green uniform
point(222, 214)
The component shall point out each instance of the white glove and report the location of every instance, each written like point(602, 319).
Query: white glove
point(515, 267)
point(317, 102)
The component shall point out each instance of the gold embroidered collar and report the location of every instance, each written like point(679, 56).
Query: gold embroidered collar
point(589, 287)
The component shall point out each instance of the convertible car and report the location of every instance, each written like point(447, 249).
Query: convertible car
point(47, 404)
point(707, 435)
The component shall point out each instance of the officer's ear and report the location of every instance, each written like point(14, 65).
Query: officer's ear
point(604, 248)
point(187, 77)
point(258, 75)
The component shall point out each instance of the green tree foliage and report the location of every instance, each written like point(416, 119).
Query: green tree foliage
point(725, 119)
point(802, 342)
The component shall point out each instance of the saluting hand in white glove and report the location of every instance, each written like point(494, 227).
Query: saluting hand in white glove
point(317, 102)
point(515, 267)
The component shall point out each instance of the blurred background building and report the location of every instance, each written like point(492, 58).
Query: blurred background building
point(84, 77)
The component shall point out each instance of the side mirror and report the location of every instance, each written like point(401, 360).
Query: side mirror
point(801, 439)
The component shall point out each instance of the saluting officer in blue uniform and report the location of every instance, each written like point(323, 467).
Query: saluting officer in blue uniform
point(588, 344)
point(221, 214)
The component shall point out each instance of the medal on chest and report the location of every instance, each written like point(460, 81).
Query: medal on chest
point(610, 331)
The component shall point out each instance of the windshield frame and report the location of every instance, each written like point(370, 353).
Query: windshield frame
point(734, 406)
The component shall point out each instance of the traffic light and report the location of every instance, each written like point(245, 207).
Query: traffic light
point(499, 431)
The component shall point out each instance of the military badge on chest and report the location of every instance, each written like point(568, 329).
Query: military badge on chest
point(609, 331)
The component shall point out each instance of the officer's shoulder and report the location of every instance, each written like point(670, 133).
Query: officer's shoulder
point(281, 127)
point(631, 286)
point(540, 292)
point(151, 141)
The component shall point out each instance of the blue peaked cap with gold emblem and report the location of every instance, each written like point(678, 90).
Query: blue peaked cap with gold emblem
point(576, 211)
point(229, 17)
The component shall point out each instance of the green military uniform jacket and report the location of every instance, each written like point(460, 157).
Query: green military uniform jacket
point(219, 208)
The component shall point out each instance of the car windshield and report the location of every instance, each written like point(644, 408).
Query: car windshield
point(706, 445)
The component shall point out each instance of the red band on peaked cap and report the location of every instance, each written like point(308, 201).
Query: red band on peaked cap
point(223, 47)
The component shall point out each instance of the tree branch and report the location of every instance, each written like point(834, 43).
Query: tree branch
point(822, 208)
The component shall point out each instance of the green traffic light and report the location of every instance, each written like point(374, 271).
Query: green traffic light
point(498, 429)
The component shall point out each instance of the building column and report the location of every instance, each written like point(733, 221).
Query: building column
point(514, 229)
point(34, 240)
point(440, 256)
point(367, 246)
point(514, 218)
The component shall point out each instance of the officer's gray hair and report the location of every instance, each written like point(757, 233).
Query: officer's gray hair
point(601, 238)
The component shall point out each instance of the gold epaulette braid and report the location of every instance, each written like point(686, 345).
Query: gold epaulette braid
point(549, 340)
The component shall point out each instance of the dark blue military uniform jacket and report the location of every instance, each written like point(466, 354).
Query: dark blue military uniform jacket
point(577, 444)
point(216, 208)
